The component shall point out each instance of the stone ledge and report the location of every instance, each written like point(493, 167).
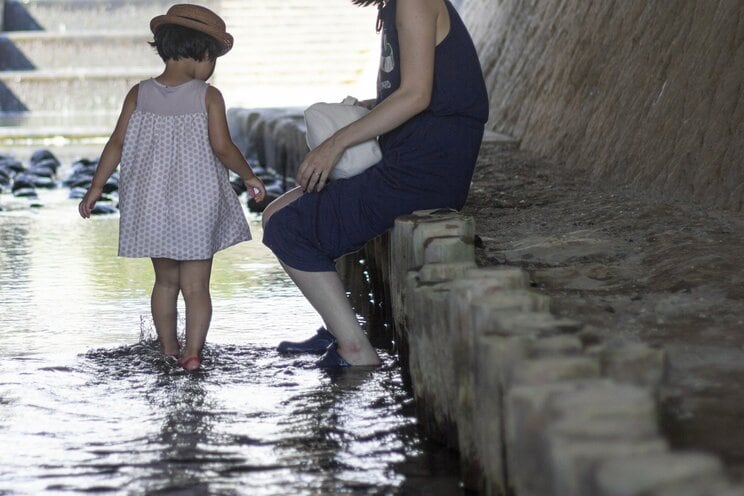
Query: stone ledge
point(534, 405)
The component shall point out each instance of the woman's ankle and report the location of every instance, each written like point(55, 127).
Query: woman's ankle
point(359, 355)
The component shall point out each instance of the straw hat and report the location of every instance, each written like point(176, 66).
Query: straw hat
point(198, 18)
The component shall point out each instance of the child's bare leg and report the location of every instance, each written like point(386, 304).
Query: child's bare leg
point(163, 303)
point(194, 282)
point(326, 293)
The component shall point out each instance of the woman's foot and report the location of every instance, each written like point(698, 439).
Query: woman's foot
point(191, 363)
point(336, 357)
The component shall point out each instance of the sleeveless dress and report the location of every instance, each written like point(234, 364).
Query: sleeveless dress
point(175, 198)
point(427, 162)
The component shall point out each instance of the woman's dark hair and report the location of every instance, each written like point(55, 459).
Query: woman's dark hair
point(365, 3)
point(174, 42)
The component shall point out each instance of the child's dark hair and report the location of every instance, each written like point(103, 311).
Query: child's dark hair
point(174, 42)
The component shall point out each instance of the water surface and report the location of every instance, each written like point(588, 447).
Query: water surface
point(88, 404)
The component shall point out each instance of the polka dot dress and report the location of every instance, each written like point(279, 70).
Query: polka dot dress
point(175, 198)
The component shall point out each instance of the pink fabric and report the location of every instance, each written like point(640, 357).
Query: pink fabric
point(175, 197)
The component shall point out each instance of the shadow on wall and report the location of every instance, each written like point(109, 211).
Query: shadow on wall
point(14, 17)
point(11, 58)
point(9, 102)
point(17, 18)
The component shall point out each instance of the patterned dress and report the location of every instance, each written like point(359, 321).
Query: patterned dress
point(427, 162)
point(175, 197)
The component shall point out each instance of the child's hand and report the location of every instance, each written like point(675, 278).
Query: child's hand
point(255, 188)
point(89, 201)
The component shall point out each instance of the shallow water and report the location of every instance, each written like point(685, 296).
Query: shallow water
point(88, 405)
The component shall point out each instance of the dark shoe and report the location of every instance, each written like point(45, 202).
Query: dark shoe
point(317, 344)
point(332, 360)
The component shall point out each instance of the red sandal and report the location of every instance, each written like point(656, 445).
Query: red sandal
point(191, 363)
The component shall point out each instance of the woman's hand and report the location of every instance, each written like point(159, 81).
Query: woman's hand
point(318, 164)
point(89, 201)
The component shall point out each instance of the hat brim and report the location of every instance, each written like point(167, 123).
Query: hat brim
point(224, 38)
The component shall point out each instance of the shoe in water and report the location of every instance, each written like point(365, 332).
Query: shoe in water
point(332, 359)
point(317, 344)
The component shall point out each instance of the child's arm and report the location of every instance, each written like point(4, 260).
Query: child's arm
point(110, 157)
point(225, 149)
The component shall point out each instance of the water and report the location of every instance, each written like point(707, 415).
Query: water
point(88, 405)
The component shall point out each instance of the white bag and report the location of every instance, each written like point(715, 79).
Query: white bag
point(324, 119)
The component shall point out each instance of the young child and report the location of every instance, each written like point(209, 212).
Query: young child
point(176, 203)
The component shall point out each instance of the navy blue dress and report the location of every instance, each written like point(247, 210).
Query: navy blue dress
point(427, 162)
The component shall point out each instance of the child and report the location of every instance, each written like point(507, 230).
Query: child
point(176, 203)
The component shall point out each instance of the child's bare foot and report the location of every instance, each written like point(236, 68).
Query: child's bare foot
point(170, 348)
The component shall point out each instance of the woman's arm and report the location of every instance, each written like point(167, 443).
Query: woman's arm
point(416, 22)
point(225, 149)
point(110, 156)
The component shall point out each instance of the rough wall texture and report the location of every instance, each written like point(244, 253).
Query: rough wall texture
point(646, 92)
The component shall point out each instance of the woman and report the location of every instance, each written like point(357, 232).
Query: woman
point(430, 114)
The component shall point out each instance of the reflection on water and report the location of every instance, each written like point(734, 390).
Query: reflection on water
point(87, 403)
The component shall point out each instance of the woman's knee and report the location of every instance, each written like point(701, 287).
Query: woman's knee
point(279, 204)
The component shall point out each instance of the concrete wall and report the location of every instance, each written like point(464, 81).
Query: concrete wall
point(645, 92)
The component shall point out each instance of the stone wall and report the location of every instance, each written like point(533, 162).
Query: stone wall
point(647, 93)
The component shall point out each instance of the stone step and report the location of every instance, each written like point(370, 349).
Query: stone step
point(65, 90)
point(27, 50)
point(68, 90)
point(76, 15)
point(336, 16)
point(38, 129)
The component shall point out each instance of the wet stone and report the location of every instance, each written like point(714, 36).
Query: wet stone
point(643, 475)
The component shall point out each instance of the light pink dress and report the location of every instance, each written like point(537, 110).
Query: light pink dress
point(175, 197)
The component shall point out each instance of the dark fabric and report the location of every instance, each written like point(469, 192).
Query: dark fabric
point(427, 162)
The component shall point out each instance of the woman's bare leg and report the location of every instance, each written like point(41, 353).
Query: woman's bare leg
point(194, 282)
point(163, 303)
point(326, 293)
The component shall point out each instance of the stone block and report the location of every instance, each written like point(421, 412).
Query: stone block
point(516, 321)
point(431, 360)
point(635, 363)
point(551, 369)
point(598, 408)
point(475, 283)
point(573, 458)
point(441, 272)
point(527, 416)
point(487, 310)
point(646, 475)
point(557, 345)
point(631, 409)
point(407, 240)
point(491, 356)
point(447, 249)
point(706, 486)
point(495, 341)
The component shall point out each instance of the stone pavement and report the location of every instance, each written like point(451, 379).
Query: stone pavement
point(632, 268)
